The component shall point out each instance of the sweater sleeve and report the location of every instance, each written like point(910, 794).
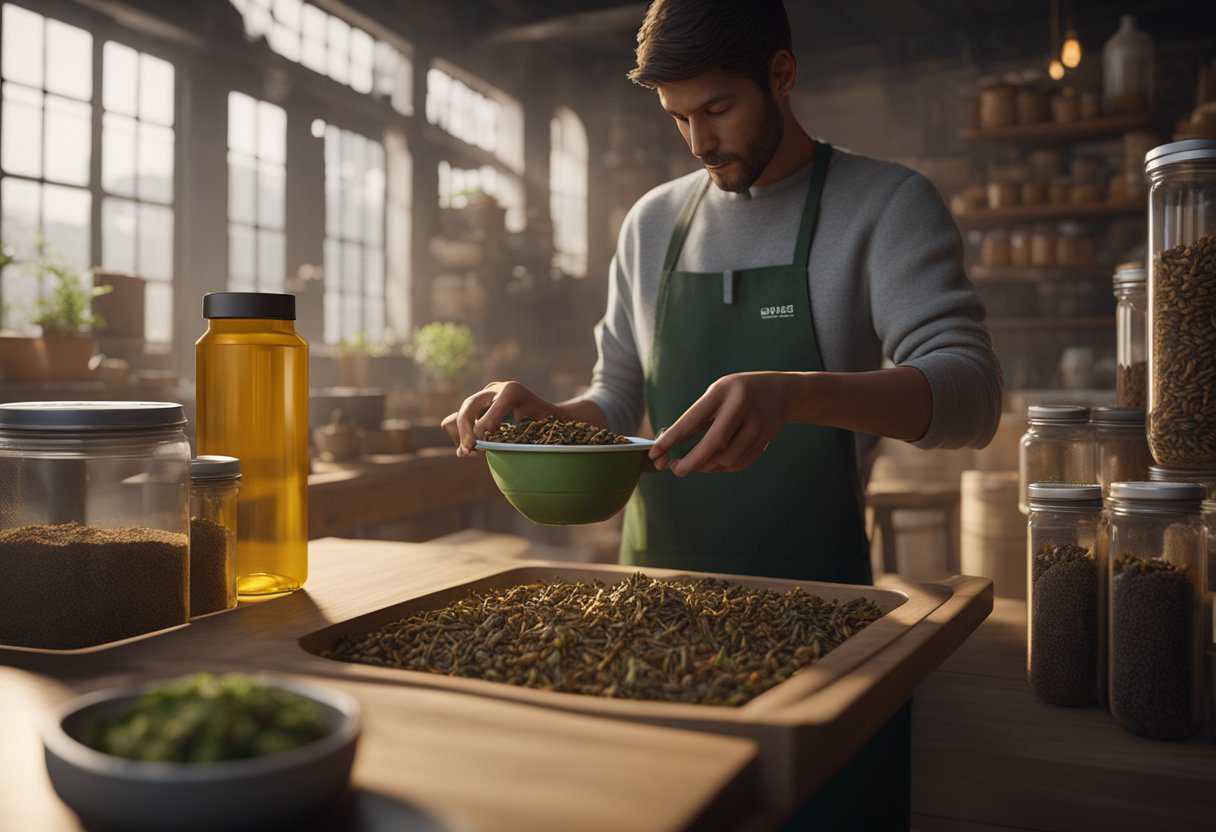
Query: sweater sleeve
point(928, 315)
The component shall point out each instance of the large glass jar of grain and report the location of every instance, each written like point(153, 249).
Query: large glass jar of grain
point(1182, 303)
point(1065, 581)
point(1058, 446)
point(1131, 322)
point(1157, 581)
point(1121, 445)
point(94, 532)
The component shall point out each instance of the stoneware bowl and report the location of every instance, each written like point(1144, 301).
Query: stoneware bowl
point(562, 485)
point(239, 794)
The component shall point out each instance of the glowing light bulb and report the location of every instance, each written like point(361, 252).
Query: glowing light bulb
point(1055, 69)
point(1070, 55)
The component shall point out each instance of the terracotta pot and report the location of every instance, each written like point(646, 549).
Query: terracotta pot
point(68, 356)
point(22, 358)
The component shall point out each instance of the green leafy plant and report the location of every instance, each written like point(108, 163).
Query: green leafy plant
point(443, 349)
point(66, 309)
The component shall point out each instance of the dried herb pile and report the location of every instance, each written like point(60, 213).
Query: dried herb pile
point(1064, 635)
point(706, 641)
point(554, 431)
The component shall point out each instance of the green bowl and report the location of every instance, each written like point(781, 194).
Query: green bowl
point(564, 485)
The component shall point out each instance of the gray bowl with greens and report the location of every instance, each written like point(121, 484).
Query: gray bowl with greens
point(203, 752)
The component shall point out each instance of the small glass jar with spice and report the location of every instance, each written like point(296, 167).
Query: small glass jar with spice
point(215, 482)
point(998, 107)
point(1044, 243)
point(1058, 446)
point(1019, 247)
point(1065, 592)
point(1131, 352)
point(1156, 577)
point(994, 250)
point(1122, 447)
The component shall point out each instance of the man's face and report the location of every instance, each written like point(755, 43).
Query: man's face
point(728, 122)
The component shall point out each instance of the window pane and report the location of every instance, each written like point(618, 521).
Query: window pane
point(351, 315)
point(385, 68)
point(21, 137)
point(270, 261)
point(285, 41)
point(158, 312)
point(314, 38)
point(242, 124)
point(373, 317)
point(333, 207)
point(155, 241)
point(272, 133)
point(242, 257)
point(332, 322)
point(338, 64)
point(373, 264)
point(155, 163)
point(287, 12)
point(352, 269)
point(361, 58)
point(22, 201)
point(118, 154)
point(22, 46)
point(68, 137)
point(242, 189)
point(333, 267)
point(270, 196)
point(65, 221)
point(155, 90)
point(69, 60)
point(118, 78)
point(352, 213)
point(118, 234)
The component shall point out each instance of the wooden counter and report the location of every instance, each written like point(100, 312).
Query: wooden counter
point(988, 755)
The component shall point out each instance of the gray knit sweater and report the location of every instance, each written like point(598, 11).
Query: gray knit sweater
point(886, 280)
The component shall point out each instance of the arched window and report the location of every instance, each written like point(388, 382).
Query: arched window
point(568, 191)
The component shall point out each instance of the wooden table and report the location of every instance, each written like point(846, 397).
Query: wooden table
point(988, 755)
point(427, 759)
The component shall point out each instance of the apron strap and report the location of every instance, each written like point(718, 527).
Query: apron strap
point(810, 209)
point(682, 224)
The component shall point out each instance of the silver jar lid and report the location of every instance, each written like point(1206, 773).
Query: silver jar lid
point(1189, 150)
point(1163, 473)
point(1058, 414)
point(1071, 493)
point(1167, 492)
point(1118, 416)
point(90, 416)
point(1129, 274)
point(215, 468)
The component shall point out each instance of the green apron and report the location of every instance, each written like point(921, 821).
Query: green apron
point(796, 511)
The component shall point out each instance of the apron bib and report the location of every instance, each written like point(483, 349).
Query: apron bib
point(794, 513)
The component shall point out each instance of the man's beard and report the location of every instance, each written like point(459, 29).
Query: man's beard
point(758, 154)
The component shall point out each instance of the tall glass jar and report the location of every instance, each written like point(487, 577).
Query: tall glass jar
point(1065, 581)
point(1182, 303)
point(215, 482)
point(1122, 448)
point(1209, 522)
point(1131, 329)
point(94, 530)
point(1058, 446)
point(1127, 69)
point(1156, 611)
point(251, 369)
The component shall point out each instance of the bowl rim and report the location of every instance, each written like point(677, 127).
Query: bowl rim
point(57, 741)
point(636, 443)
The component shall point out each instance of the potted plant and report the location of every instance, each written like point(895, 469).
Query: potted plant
point(354, 354)
point(67, 320)
point(443, 350)
point(22, 356)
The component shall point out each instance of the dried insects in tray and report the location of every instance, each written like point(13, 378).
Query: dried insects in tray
point(551, 430)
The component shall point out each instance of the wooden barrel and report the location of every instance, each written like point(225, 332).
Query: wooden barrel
point(993, 531)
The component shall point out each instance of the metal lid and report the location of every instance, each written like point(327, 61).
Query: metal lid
point(1118, 416)
point(249, 305)
point(1129, 274)
point(1163, 473)
point(86, 416)
point(1064, 492)
point(1058, 414)
point(215, 468)
point(1190, 150)
point(1179, 492)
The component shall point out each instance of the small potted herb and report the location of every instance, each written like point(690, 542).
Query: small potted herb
point(22, 356)
point(443, 350)
point(64, 313)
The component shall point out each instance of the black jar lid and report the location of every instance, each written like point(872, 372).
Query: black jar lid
point(249, 305)
point(1058, 414)
point(1118, 416)
point(89, 416)
point(214, 467)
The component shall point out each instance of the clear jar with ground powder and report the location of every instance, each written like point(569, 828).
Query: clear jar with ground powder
point(215, 482)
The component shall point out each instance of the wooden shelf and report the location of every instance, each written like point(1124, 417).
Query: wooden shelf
point(1021, 214)
point(1032, 324)
point(1050, 132)
point(1037, 274)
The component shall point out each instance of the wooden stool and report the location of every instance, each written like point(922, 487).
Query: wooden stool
point(886, 498)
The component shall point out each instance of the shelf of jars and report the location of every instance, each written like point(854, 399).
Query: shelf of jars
point(1048, 322)
point(1015, 214)
point(1037, 274)
point(1052, 132)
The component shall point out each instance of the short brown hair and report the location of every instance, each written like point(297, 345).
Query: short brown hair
point(681, 39)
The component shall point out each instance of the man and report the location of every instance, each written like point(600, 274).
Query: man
point(750, 306)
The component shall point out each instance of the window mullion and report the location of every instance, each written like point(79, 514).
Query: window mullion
point(95, 254)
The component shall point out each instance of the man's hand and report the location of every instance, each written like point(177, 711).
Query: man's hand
point(743, 412)
point(484, 411)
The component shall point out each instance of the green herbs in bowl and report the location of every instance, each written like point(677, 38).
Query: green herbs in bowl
point(206, 719)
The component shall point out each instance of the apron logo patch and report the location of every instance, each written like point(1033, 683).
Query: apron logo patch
point(770, 312)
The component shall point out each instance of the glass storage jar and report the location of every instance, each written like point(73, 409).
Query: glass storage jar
point(1182, 303)
point(215, 482)
point(1065, 588)
point(1156, 611)
point(995, 249)
point(1127, 69)
point(1131, 311)
point(94, 533)
point(998, 107)
point(1121, 445)
point(1209, 522)
point(1043, 244)
point(1058, 446)
point(1019, 248)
